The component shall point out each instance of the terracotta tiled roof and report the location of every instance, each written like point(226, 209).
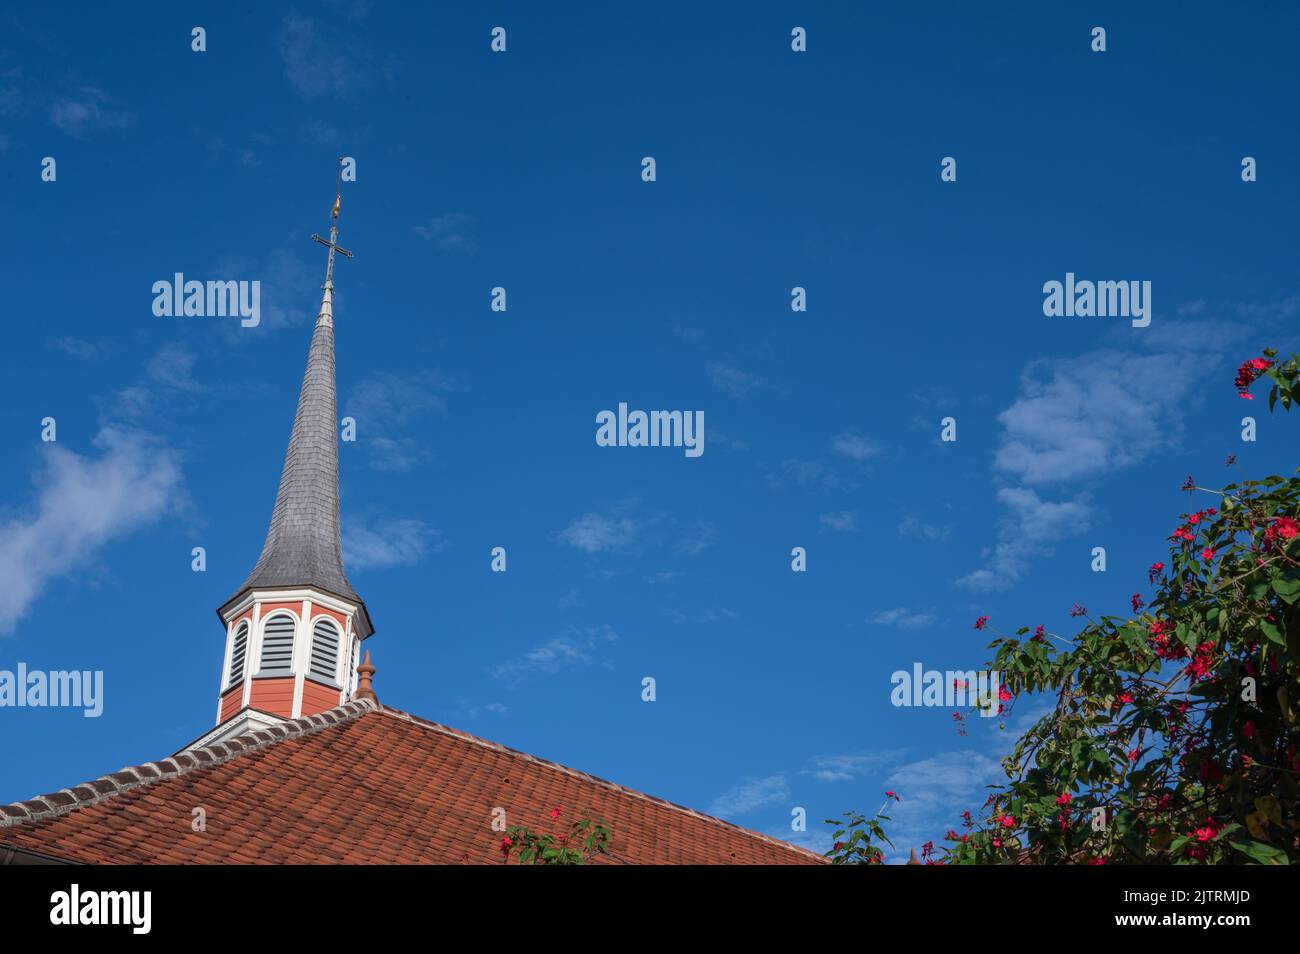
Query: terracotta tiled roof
point(360, 783)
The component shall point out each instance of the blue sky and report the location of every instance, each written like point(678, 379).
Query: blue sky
point(476, 429)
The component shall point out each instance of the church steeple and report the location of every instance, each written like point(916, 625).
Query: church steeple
point(294, 628)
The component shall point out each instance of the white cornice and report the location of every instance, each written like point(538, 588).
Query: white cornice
point(297, 595)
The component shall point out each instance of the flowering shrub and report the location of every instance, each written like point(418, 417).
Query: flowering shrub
point(1175, 736)
point(585, 839)
point(855, 838)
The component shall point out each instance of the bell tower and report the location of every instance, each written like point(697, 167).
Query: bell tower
point(294, 628)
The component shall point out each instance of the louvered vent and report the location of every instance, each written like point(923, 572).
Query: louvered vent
point(237, 653)
point(277, 645)
point(324, 650)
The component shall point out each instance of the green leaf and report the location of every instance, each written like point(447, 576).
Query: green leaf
point(1272, 632)
point(1287, 588)
point(1261, 853)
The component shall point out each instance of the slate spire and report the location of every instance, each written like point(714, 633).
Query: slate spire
point(302, 547)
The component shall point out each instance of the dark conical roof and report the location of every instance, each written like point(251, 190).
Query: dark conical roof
point(302, 546)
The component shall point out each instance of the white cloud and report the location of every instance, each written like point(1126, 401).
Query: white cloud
point(83, 504)
point(87, 111)
point(386, 403)
point(1081, 419)
point(173, 367)
point(753, 794)
point(854, 446)
point(1094, 414)
point(913, 526)
point(732, 380)
point(701, 535)
point(449, 231)
point(387, 542)
point(601, 533)
point(575, 648)
point(1028, 529)
point(933, 792)
point(903, 618)
point(843, 521)
point(809, 475)
point(317, 65)
point(843, 768)
point(703, 617)
point(79, 348)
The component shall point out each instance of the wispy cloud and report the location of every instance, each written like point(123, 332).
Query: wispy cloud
point(854, 447)
point(846, 767)
point(1081, 419)
point(384, 406)
point(449, 231)
point(387, 542)
point(84, 503)
point(88, 110)
point(751, 795)
point(575, 648)
point(933, 792)
point(702, 617)
point(613, 532)
point(732, 380)
point(699, 536)
point(913, 526)
point(903, 618)
point(318, 62)
point(812, 475)
point(842, 521)
point(173, 367)
point(1029, 528)
point(79, 348)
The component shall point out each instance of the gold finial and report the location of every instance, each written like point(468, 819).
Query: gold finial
point(332, 243)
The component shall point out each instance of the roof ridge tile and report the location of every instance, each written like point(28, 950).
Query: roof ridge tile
point(208, 756)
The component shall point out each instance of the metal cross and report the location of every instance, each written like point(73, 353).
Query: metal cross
point(332, 243)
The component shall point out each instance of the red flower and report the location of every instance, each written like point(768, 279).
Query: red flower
point(893, 796)
point(1156, 570)
point(1136, 600)
point(1207, 554)
point(1247, 373)
point(1078, 610)
point(1135, 755)
point(981, 622)
point(1285, 527)
point(1063, 798)
point(556, 813)
point(1004, 694)
point(1208, 832)
point(505, 845)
